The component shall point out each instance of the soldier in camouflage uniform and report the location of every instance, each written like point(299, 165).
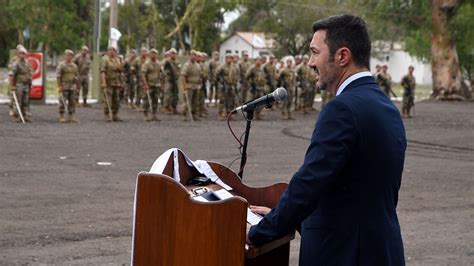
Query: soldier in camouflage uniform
point(191, 83)
point(111, 83)
point(130, 77)
point(244, 66)
point(171, 77)
point(303, 73)
point(385, 81)
point(408, 84)
point(287, 79)
point(83, 63)
point(269, 69)
point(67, 78)
point(151, 76)
point(313, 88)
point(256, 79)
point(299, 91)
point(213, 64)
point(10, 63)
point(227, 76)
point(202, 111)
point(136, 68)
point(20, 83)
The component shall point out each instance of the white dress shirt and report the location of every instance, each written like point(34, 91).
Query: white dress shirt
point(352, 78)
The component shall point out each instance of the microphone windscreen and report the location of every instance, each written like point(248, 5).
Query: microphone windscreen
point(280, 94)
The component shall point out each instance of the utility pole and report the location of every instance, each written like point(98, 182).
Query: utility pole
point(113, 21)
point(96, 52)
point(97, 22)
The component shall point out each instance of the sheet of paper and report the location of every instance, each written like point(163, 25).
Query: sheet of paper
point(252, 218)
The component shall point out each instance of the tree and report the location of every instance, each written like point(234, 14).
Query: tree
point(430, 31)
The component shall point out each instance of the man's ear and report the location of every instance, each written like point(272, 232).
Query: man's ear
point(343, 57)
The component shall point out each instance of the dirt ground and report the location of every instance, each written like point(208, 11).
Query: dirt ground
point(59, 206)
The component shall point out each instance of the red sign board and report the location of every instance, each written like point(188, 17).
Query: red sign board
point(37, 75)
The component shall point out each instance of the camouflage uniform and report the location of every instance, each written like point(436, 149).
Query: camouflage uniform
point(202, 111)
point(113, 73)
point(303, 73)
point(385, 82)
point(20, 71)
point(171, 90)
point(257, 82)
point(244, 84)
point(287, 79)
point(152, 74)
point(192, 73)
point(130, 80)
point(270, 77)
point(313, 89)
point(408, 84)
point(136, 68)
point(67, 76)
point(83, 64)
point(212, 66)
point(227, 76)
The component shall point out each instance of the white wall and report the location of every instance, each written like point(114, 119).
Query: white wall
point(235, 44)
point(398, 62)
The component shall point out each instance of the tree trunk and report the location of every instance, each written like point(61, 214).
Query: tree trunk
point(446, 71)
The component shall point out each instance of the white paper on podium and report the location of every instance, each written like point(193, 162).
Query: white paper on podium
point(202, 166)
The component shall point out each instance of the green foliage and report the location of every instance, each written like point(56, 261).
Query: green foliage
point(464, 34)
point(410, 22)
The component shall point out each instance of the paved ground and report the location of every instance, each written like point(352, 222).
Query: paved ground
point(57, 205)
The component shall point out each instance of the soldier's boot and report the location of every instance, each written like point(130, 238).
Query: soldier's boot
point(222, 116)
point(290, 117)
point(175, 110)
point(84, 103)
point(196, 117)
point(61, 118)
point(155, 117)
point(146, 117)
point(28, 118)
point(108, 118)
point(116, 118)
point(72, 118)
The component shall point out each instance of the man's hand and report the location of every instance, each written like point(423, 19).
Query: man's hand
point(260, 210)
point(60, 90)
point(13, 88)
point(146, 88)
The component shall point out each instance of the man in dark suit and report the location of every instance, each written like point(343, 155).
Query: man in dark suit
point(343, 198)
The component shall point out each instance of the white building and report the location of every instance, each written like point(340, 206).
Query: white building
point(255, 43)
point(398, 61)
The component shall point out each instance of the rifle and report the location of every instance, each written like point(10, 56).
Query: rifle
point(149, 99)
point(189, 105)
point(61, 96)
point(18, 108)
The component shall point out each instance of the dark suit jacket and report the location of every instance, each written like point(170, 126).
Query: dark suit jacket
point(345, 194)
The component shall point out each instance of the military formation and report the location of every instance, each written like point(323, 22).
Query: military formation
point(144, 82)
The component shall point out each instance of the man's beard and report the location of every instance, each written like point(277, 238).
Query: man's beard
point(330, 77)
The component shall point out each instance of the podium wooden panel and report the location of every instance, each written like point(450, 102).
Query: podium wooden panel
point(171, 228)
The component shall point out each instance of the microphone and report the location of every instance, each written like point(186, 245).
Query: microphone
point(278, 95)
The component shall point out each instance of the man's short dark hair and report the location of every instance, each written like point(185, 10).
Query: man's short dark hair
point(347, 31)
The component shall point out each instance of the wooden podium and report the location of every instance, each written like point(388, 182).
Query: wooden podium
point(171, 228)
